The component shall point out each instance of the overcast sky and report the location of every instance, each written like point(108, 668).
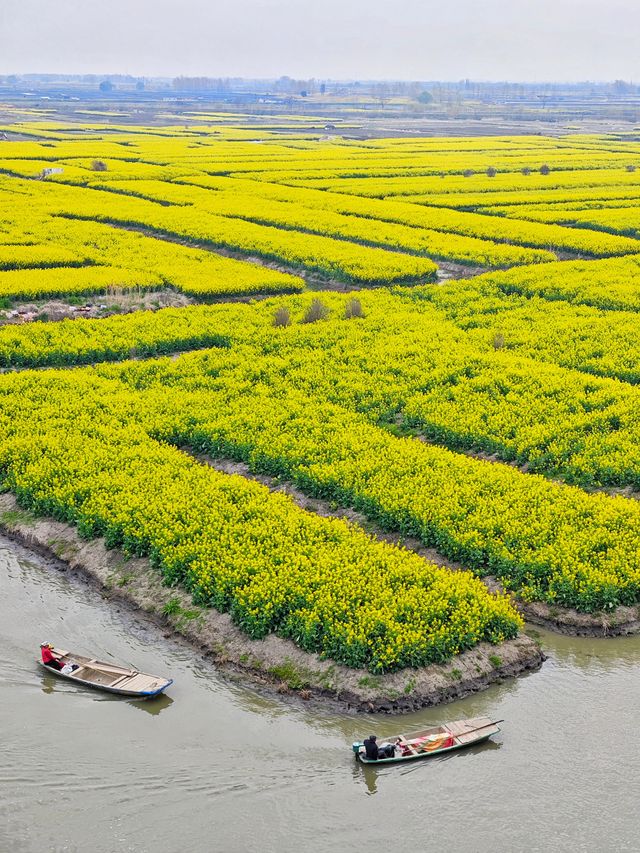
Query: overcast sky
point(339, 39)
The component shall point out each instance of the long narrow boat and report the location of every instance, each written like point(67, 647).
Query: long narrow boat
point(109, 676)
point(433, 741)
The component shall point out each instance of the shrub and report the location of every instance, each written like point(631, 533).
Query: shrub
point(544, 169)
point(491, 172)
point(316, 311)
point(99, 166)
point(282, 317)
point(353, 308)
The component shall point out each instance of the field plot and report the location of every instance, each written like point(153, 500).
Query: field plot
point(491, 418)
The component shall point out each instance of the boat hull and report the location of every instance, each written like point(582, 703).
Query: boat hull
point(401, 758)
point(109, 677)
point(456, 735)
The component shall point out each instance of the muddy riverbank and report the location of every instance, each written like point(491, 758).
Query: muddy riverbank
point(276, 663)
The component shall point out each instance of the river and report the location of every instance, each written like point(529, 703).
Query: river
point(215, 766)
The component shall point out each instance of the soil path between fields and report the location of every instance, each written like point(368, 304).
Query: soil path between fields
point(274, 664)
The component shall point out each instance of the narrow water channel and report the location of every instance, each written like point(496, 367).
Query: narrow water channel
point(215, 766)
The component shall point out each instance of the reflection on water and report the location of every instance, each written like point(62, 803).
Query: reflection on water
point(229, 769)
point(152, 706)
point(368, 775)
point(593, 655)
point(48, 682)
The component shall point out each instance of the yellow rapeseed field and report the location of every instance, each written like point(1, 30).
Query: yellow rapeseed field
point(438, 333)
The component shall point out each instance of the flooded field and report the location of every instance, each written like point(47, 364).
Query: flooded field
point(215, 766)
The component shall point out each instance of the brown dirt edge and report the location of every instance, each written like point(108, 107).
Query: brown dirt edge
point(565, 620)
point(273, 663)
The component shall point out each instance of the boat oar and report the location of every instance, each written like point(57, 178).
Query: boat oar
point(460, 734)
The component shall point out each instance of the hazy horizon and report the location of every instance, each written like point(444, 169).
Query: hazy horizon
point(107, 75)
point(495, 41)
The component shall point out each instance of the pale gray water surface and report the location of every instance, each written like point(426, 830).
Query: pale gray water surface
point(215, 766)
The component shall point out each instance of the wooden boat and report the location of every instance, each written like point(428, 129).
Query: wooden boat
point(434, 741)
point(109, 676)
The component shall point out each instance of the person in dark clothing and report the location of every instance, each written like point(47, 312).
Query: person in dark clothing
point(373, 752)
point(371, 748)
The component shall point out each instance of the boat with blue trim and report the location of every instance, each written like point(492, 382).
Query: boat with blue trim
point(111, 677)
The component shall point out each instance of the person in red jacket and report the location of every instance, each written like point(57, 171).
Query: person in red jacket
point(48, 657)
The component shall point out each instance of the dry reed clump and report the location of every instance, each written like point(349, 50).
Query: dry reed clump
point(282, 317)
point(353, 308)
point(317, 310)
